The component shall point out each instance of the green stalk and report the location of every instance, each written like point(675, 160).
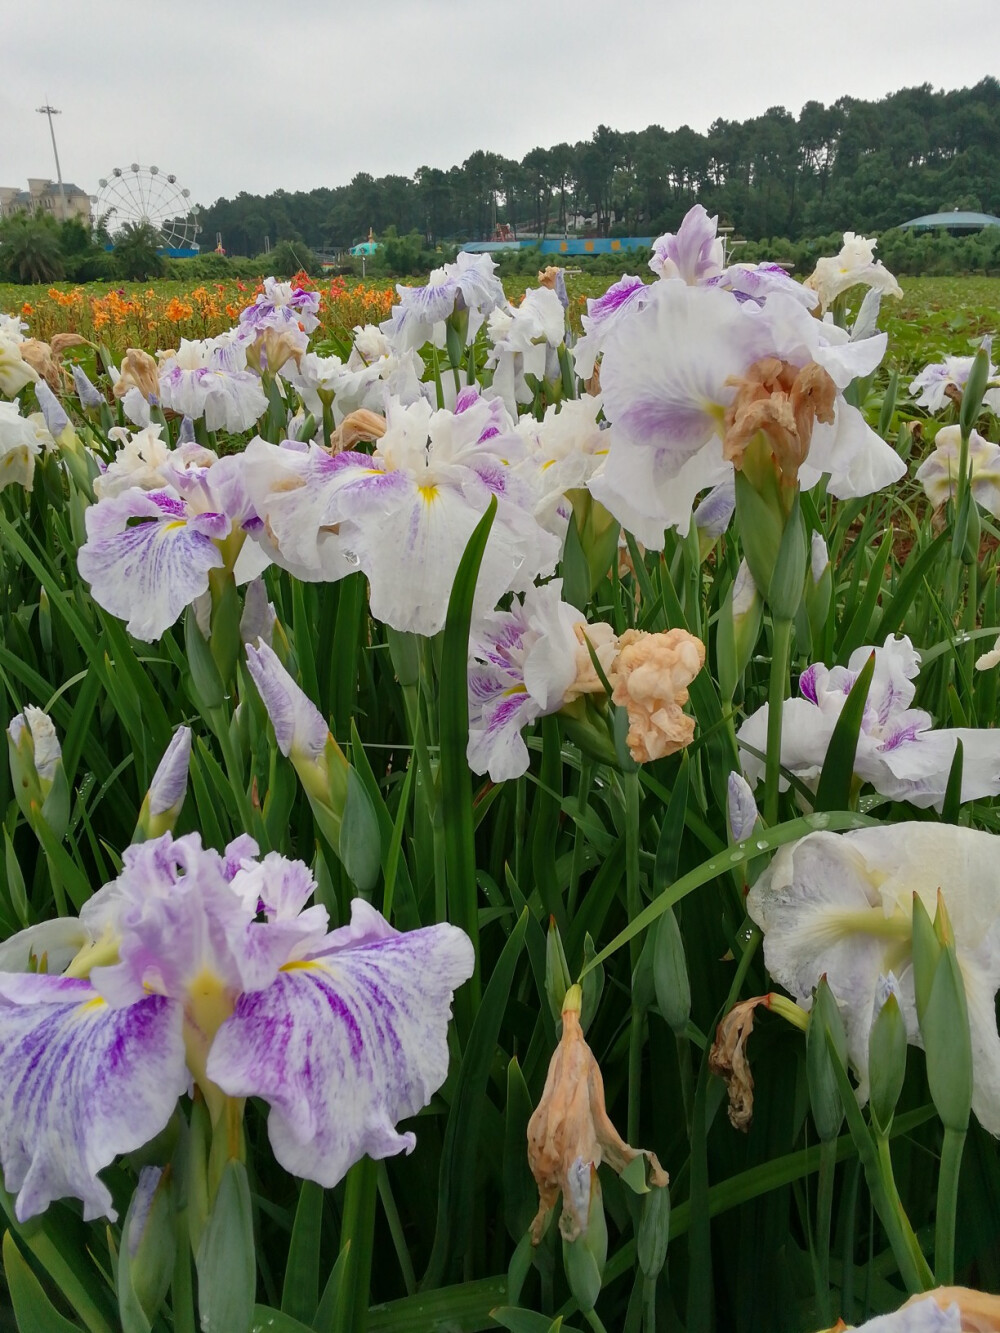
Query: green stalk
point(633, 897)
point(686, 1078)
point(649, 1305)
point(824, 1216)
point(781, 644)
point(396, 1229)
point(633, 900)
point(358, 1230)
point(594, 1320)
point(915, 1273)
point(579, 840)
point(182, 1285)
point(634, 1073)
point(220, 725)
point(947, 1205)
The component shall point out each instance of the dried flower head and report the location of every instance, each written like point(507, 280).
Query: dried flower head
point(38, 355)
point(357, 426)
point(728, 1059)
point(650, 675)
point(138, 371)
point(784, 402)
point(570, 1133)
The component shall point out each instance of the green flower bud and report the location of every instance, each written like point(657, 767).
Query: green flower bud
point(824, 1094)
point(557, 978)
point(972, 394)
point(670, 974)
point(653, 1233)
point(148, 1247)
point(886, 1056)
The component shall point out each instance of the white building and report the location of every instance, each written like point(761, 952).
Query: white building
point(44, 196)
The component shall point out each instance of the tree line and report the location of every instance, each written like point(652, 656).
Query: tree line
point(866, 165)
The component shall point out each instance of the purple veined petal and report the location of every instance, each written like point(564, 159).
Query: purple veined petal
point(170, 779)
point(694, 254)
point(742, 807)
point(80, 1083)
point(147, 572)
point(498, 713)
point(56, 419)
point(299, 727)
point(344, 1046)
point(667, 370)
point(715, 511)
point(85, 390)
point(258, 618)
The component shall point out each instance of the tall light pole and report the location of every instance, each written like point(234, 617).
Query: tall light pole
point(51, 111)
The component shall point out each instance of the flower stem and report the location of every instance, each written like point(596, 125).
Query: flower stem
point(220, 720)
point(947, 1204)
point(781, 644)
point(824, 1214)
point(358, 1231)
point(916, 1273)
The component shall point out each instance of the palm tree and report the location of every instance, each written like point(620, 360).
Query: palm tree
point(29, 249)
point(135, 253)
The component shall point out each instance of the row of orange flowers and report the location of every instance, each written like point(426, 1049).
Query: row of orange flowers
point(151, 319)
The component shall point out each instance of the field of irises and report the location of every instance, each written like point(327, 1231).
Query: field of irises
point(501, 828)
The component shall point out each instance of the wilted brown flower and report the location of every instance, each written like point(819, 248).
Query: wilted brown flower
point(547, 277)
point(728, 1059)
point(138, 371)
point(359, 425)
point(38, 355)
point(61, 342)
point(650, 675)
point(784, 402)
point(570, 1133)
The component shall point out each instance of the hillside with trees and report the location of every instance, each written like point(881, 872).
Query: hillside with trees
point(863, 164)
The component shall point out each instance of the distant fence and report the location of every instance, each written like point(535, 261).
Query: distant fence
point(570, 245)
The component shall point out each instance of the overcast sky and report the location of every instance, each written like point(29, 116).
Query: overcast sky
point(234, 95)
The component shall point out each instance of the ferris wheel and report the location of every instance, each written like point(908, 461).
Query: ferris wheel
point(138, 194)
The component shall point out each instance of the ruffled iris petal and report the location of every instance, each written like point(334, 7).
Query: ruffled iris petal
point(346, 1044)
point(147, 571)
point(80, 1082)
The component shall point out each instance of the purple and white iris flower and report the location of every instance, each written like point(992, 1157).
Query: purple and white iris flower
point(900, 752)
point(165, 520)
point(938, 473)
point(525, 340)
point(694, 254)
point(427, 483)
point(523, 664)
point(603, 314)
point(210, 379)
point(672, 368)
point(840, 905)
point(281, 307)
point(469, 285)
point(196, 966)
point(930, 388)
